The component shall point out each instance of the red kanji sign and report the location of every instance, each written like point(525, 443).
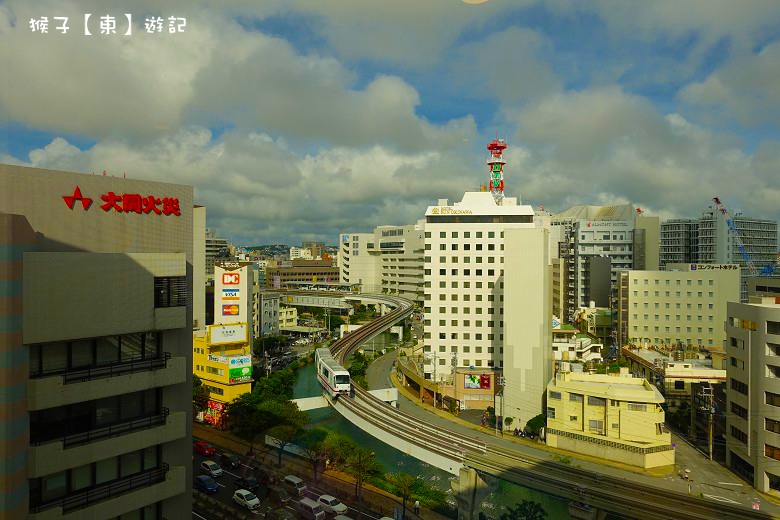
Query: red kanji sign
point(127, 203)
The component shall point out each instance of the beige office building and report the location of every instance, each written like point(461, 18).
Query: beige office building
point(686, 304)
point(97, 410)
point(753, 391)
point(616, 417)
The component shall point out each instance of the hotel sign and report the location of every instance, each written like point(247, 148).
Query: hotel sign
point(126, 203)
point(711, 267)
point(222, 334)
point(446, 210)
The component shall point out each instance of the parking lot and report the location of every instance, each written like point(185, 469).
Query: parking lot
point(220, 504)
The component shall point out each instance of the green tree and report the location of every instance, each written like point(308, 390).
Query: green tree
point(525, 510)
point(339, 448)
point(536, 424)
point(508, 422)
point(197, 387)
point(362, 464)
point(312, 443)
point(404, 486)
point(282, 436)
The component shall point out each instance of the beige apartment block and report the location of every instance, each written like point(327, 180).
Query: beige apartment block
point(615, 417)
point(686, 304)
point(753, 391)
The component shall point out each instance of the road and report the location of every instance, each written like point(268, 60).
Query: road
point(227, 488)
point(710, 480)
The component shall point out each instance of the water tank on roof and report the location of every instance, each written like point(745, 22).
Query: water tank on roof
point(590, 366)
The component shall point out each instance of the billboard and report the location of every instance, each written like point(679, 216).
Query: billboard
point(230, 294)
point(221, 334)
point(233, 293)
point(476, 381)
point(230, 310)
point(240, 369)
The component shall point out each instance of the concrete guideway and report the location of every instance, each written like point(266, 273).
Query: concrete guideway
point(620, 495)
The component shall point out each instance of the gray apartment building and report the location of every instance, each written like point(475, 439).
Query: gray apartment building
point(96, 346)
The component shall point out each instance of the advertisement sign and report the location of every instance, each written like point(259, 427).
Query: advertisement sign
point(216, 405)
point(713, 267)
point(228, 333)
point(231, 278)
point(471, 381)
point(230, 294)
point(230, 310)
point(345, 238)
point(240, 369)
point(477, 381)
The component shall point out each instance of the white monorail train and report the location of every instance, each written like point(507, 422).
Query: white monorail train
point(333, 377)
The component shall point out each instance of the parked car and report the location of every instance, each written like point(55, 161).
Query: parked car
point(332, 505)
point(248, 483)
point(295, 485)
point(278, 494)
point(228, 460)
point(308, 509)
point(246, 498)
point(265, 474)
point(205, 483)
point(203, 448)
point(211, 468)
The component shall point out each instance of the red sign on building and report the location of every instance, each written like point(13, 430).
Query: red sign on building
point(230, 310)
point(484, 381)
point(127, 203)
point(231, 278)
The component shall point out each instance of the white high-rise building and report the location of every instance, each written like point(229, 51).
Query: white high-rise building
point(464, 282)
point(753, 391)
point(528, 355)
point(300, 252)
point(391, 256)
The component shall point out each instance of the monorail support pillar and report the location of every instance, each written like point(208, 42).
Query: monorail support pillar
point(469, 492)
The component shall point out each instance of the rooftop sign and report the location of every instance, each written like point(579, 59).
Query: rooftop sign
point(126, 203)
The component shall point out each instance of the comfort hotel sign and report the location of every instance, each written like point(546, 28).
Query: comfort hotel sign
point(126, 203)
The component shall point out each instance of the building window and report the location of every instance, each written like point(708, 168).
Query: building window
point(596, 425)
point(555, 395)
point(739, 386)
point(551, 413)
point(577, 398)
point(772, 452)
point(170, 291)
point(637, 407)
point(772, 399)
point(738, 410)
point(773, 327)
point(772, 425)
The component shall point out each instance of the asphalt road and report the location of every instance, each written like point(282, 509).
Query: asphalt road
point(227, 488)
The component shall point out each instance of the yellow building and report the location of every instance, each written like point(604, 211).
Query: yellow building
point(222, 359)
point(288, 317)
point(616, 417)
point(686, 304)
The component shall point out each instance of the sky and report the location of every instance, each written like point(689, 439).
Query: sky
point(298, 119)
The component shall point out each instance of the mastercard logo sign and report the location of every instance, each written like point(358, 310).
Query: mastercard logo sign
point(230, 310)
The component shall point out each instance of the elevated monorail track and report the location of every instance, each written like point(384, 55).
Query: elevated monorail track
point(618, 495)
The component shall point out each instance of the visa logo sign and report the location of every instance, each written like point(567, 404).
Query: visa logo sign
point(230, 294)
point(231, 278)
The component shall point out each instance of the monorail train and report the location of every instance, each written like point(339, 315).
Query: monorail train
point(333, 377)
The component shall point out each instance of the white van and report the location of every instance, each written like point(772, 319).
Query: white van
point(308, 509)
point(295, 485)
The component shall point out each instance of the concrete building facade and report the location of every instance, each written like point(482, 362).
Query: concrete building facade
point(753, 391)
point(277, 274)
point(615, 417)
point(97, 282)
point(686, 304)
point(216, 248)
point(464, 281)
point(679, 242)
point(389, 260)
point(585, 233)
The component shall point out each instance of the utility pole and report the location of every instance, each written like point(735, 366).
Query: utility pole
point(711, 414)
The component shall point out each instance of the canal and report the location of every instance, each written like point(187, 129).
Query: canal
point(506, 494)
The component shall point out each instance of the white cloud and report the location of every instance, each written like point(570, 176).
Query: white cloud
point(746, 89)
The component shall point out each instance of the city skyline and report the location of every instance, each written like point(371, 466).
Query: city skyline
point(294, 120)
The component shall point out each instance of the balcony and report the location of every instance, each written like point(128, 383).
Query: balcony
point(117, 497)
point(75, 449)
point(98, 381)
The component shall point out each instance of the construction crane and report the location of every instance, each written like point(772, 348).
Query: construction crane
point(732, 227)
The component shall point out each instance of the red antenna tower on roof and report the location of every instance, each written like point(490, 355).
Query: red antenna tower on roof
point(496, 163)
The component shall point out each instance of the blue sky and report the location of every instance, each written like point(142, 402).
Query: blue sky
point(298, 119)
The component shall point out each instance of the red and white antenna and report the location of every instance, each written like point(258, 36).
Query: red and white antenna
point(496, 163)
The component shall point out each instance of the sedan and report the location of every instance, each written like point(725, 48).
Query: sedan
point(203, 448)
point(332, 504)
point(246, 498)
point(205, 483)
point(248, 483)
point(228, 460)
point(210, 468)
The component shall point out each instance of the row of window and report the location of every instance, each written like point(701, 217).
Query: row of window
point(646, 328)
point(688, 294)
point(55, 423)
point(62, 356)
point(679, 282)
point(657, 306)
point(466, 297)
point(59, 485)
point(466, 335)
point(466, 259)
point(466, 349)
point(466, 247)
point(466, 272)
point(466, 234)
point(677, 317)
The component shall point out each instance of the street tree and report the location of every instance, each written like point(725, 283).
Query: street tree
point(525, 510)
point(404, 487)
point(282, 436)
point(312, 443)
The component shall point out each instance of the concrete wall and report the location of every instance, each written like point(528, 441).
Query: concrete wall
point(642, 460)
point(600, 280)
point(527, 322)
point(199, 267)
